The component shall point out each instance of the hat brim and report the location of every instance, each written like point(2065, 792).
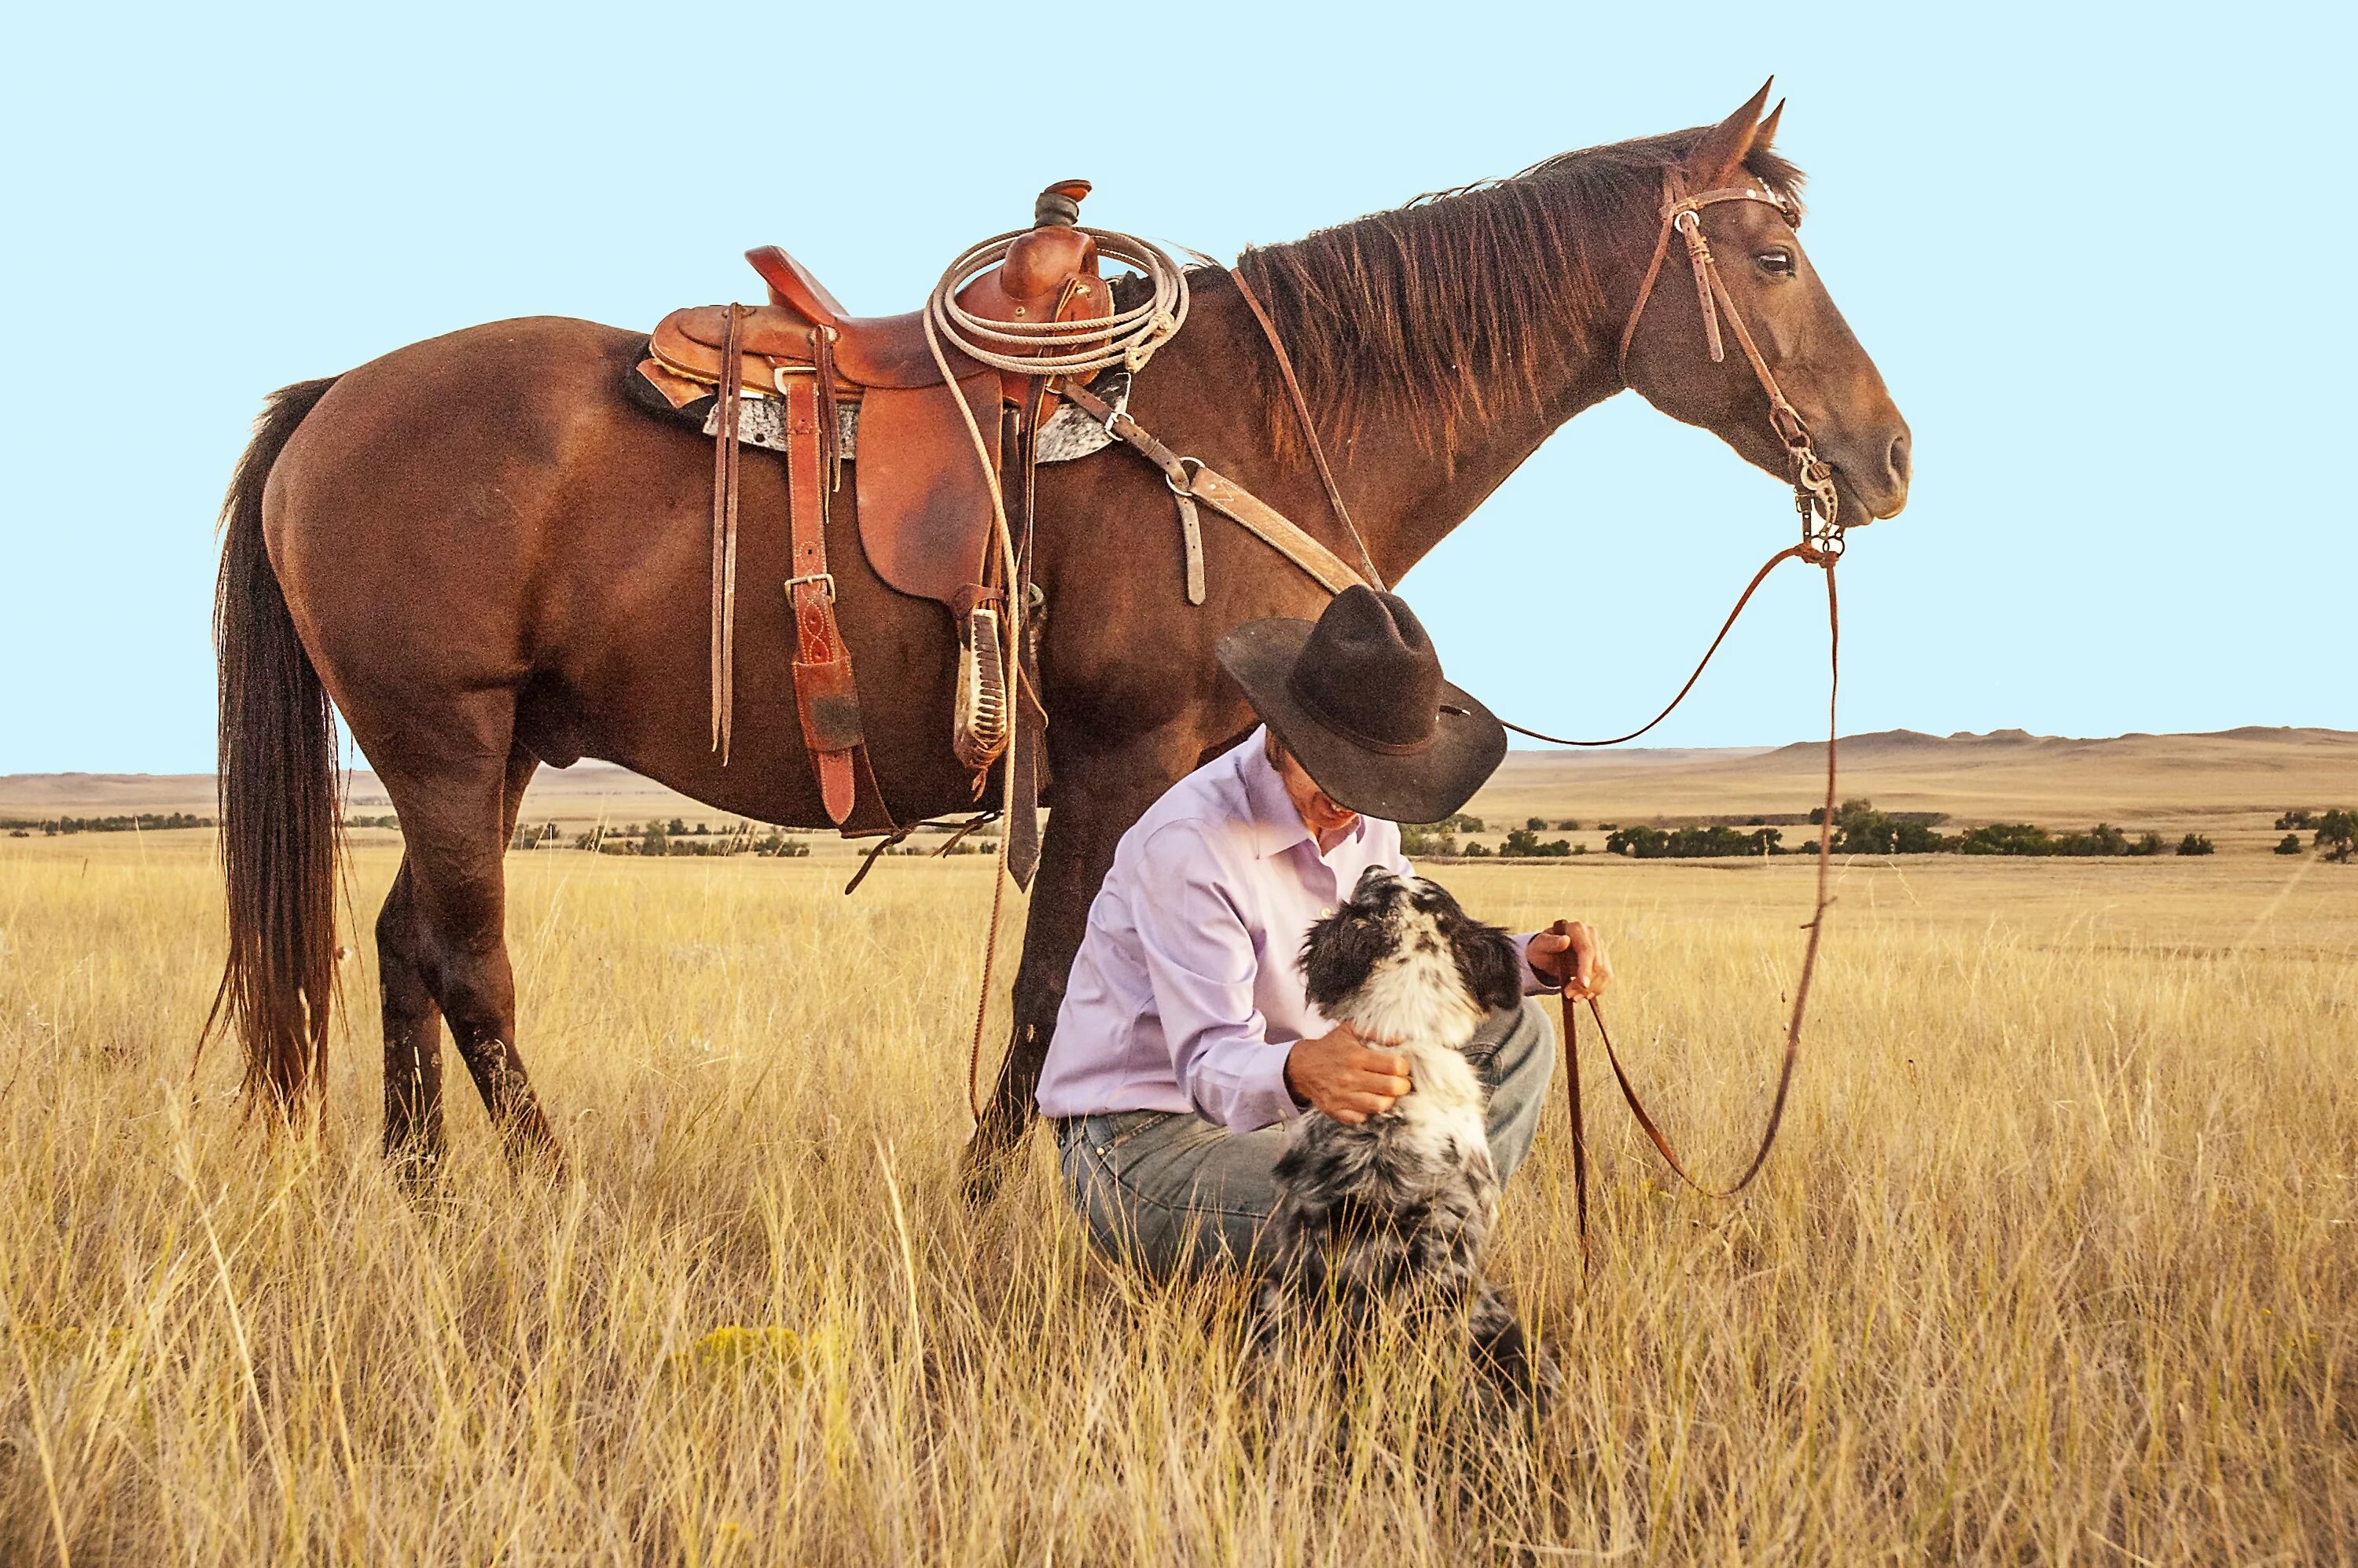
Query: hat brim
point(1425, 786)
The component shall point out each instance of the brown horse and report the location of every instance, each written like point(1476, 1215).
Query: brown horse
point(488, 559)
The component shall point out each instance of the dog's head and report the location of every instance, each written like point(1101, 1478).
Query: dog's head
point(1401, 960)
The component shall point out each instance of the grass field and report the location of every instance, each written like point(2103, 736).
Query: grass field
point(2058, 1261)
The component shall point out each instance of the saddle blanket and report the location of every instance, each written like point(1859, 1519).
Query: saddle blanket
point(762, 422)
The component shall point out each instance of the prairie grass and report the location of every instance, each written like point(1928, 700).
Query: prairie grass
point(2056, 1261)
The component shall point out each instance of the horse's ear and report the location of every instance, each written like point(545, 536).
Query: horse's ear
point(1718, 159)
point(1766, 136)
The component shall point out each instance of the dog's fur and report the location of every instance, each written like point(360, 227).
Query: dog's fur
point(1396, 1209)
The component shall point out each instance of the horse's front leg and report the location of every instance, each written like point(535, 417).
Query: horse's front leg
point(1098, 798)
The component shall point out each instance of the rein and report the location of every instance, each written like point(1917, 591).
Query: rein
point(1820, 545)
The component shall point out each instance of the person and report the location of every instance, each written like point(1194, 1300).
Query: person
point(1186, 1047)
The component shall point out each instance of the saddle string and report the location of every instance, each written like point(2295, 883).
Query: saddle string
point(724, 542)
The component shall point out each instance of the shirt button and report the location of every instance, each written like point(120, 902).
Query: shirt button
point(1327, 912)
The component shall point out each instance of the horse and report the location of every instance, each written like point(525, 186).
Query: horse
point(484, 557)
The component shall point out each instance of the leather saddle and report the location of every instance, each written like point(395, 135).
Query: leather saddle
point(924, 502)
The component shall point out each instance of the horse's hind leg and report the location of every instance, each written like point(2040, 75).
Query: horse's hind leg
point(457, 819)
point(412, 1031)
point(413, 1018)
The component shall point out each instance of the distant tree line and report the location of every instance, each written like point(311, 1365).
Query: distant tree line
point(1640, 842)
point(1860, 829)
point(142, 822)
point(674, 838)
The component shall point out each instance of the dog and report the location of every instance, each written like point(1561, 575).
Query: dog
point(1396, 1209)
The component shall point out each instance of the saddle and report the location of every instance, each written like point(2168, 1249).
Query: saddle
point(802, 375)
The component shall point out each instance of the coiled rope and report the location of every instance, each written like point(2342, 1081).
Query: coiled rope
point(1082, 348)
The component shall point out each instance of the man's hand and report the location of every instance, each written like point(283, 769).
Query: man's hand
point(1570, 954)
point(1341, 1075)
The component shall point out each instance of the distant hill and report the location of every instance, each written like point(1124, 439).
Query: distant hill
point(2006, 773)
point(2241, 776)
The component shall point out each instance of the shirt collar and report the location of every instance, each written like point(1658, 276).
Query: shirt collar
point(1277, 826)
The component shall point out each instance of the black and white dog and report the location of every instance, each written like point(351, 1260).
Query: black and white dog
point(1396, 1209)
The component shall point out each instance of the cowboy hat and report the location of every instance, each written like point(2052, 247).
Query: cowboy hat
point(1358, 697)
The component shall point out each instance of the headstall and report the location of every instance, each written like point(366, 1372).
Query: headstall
point(1814, 483)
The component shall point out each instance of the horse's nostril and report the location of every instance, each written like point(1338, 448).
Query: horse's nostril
point(1897, 459)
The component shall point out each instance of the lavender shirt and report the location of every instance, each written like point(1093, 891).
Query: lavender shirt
point(1187, 989)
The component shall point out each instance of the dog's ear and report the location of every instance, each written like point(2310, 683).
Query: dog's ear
point(1339, 953)
point(1489, 963)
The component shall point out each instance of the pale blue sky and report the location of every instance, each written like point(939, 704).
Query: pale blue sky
point(2101, 256)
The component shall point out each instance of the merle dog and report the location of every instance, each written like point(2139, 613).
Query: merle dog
point(1396, 1210)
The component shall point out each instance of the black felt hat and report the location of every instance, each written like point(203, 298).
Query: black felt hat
point(1358, 697)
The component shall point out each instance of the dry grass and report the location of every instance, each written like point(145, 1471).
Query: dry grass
point(2056, 1260)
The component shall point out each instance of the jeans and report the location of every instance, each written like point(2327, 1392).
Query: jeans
point(1174, 1196)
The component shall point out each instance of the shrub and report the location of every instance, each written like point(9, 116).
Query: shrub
point(2337, 835)
point(2289, 845)
point(1426, 841)
point(1860, 829)
point(2194, 844)
point(2007, 838)
point(2296, 817)
point(1567, 825)
point(1523, 843)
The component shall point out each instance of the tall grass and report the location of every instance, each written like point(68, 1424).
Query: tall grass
point(2056, 1260)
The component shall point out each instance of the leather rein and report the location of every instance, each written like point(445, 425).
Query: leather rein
point(1820, 545)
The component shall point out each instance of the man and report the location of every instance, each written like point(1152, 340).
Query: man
point(1186, 1044)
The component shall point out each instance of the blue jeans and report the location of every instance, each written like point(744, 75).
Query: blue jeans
point(1173, 1194)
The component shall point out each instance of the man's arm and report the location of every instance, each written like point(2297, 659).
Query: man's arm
point(1201, 963)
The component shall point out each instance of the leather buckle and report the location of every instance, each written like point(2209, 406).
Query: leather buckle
point(825, 579)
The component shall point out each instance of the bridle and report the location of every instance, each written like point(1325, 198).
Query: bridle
point(1813, 480)
point(1820, 545)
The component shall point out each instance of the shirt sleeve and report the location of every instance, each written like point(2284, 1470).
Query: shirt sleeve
point(1534, 983)
point(1201, 963)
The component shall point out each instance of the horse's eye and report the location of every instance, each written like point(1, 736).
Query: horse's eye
point(1775, 262)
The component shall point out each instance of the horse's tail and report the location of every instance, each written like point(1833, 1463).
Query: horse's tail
point(279, 813)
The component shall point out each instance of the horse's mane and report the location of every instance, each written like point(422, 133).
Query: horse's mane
point(1448, 308)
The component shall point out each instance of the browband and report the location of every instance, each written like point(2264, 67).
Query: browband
point(1673, 209)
